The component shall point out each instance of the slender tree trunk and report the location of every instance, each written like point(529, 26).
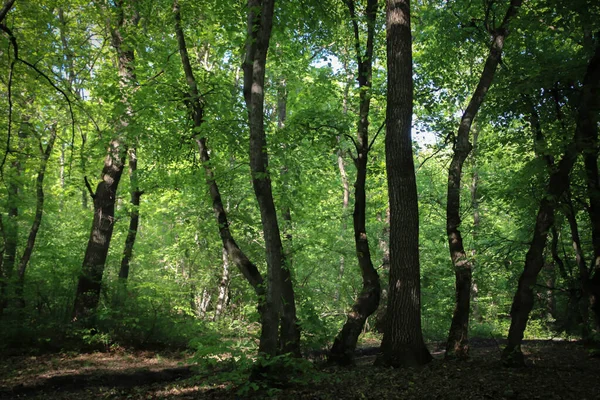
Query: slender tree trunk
point(194, 101)
point(258, 36)
point(134, 216)
point(476, 224)
point(402, 343)
point(90, 280)
point(458, 337)
point(289, 334)
point(223, 287)
point(345, 183)
point(11, 227)
point(559, 181)
point(37, 219)
point(342, 351)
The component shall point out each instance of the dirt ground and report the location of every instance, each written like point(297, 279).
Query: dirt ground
point(556, 370)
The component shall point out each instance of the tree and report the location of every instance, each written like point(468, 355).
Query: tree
point(402, 343)
point(88, 288)
point(559, 180)
point(342, 351)
point(457, 344)
point(260, 22)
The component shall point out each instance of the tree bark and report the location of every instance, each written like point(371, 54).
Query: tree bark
point(402, 343)
point(342, 351)
point(559, 181)
point(257, 45)
point(90, 280)
point(458, 337)
point(37, 219)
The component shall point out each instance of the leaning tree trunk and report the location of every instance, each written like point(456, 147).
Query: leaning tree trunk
point(37, 219)
point(402, 343)
point(342, 351)
point(559, 181)
point(90, 280)
point(458, 337)
point(194, 101)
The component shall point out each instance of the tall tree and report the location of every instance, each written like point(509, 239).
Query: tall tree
point(587, 118)
point(39, 212)
point(196, 103)
point(402, 343)
point(90, 280)
point(342, 351)
point(457, 345)
point(260, 23)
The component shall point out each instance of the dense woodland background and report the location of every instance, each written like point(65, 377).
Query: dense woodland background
point(79, 77)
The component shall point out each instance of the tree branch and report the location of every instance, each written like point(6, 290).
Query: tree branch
point(89, 187)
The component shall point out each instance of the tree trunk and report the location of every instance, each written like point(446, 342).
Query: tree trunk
point(90, 280)
point(134, 216)
point(289, 334)
point(402, 343)
point(476, 223)
point(559, 181)
point(257, 45)
point(37, 219)
point(588, 146)
point(223, 287)
point(342, 351)
point(458, 337)
point(10, 229)
point(194, 101)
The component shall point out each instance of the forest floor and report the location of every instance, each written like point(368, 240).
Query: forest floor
point(556, 370)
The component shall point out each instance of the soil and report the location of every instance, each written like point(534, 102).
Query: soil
point(555, 370)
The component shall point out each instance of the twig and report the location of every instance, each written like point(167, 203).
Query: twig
point(375, 137)
point(89, 187)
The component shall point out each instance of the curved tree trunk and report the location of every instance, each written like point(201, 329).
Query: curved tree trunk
point(90, 280)
point(194, 101)
point(260, 22)
point(458, 343)
point(402, 343)
point(37, 219)
point(559, 181)
point(342, 351)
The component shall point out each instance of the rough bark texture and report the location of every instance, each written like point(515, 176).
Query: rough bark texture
point(258, 36)
point(134, 215)
point(342, 351)
point(458, 337)
point(559, 181)
point(402, 343)
point(37, 219)
point(90, 280)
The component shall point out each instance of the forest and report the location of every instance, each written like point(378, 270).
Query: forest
point(299, 199)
